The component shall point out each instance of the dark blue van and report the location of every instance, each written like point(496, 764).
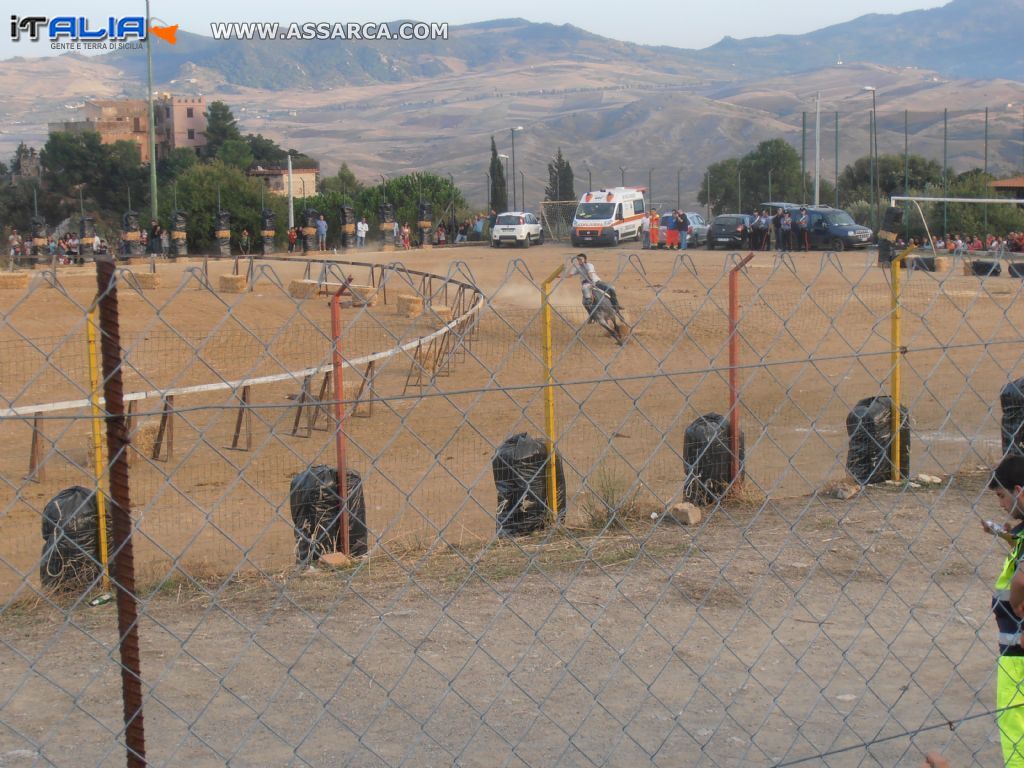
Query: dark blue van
point(833, 229)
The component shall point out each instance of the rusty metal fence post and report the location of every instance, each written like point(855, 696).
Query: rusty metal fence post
point(123, 553)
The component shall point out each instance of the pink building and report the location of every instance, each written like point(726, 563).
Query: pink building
point(181, 122)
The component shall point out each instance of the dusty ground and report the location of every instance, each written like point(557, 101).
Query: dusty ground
point(786, 625)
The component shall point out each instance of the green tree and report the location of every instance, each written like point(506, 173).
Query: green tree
point(499, 187)
point(344, 183)
point(177, 161)
point(235, 152)
point(265, 151)
point(221, 126)
point(561, 184)
point(72, 158)
point(18, 201)
point(75, 163)
point(269, 154)
point(198, 188)
point(721, 180)
point(855, 180)
point(972, 218)
point(769, 173)
point(405, 192)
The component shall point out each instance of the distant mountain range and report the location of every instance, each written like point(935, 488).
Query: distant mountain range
point(647, 113)
point(963, 39)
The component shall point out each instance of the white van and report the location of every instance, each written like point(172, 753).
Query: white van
point(608, 216)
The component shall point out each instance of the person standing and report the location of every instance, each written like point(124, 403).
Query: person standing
point(756, 235)
point(645, 231)
point(1008, 483)
point(362, 228)
point(683, 226)
point(321, 233)
point(803, 230)
point(776, 222)
point(243, 241)
point(153, 243)
point(787, 231)
point(293, 236)
point(655, 230)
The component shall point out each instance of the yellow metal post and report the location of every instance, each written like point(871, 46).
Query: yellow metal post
point(549, 391)
point(97, 441)
point(895, 352)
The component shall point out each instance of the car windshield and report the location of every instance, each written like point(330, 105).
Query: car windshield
point(841, 218)
point(595, 211)
point(506, 218)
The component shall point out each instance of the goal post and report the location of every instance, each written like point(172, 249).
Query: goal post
point(917, 200)
point(556, 218)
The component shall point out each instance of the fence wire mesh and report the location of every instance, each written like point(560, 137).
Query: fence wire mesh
point(795, 617)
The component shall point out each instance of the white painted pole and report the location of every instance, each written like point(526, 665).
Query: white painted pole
point(817, 149)
point(291, 200)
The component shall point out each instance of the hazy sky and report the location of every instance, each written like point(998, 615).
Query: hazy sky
point(685, 24)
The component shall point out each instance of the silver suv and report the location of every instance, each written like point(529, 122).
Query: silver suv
point(517, 228)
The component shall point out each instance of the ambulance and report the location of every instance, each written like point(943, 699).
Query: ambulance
point(608, 216)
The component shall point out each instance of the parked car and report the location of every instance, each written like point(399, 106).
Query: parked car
point(730, 230)
point(698, 229)
point(517, 228)
point(832, 229)
point(696, 234)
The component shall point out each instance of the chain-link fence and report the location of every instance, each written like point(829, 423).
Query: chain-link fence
point(793, 614)
point(556, 217)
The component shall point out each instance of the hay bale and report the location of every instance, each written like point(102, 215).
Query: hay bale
point(943, 263)
point(968, 268)
point(13, 281)
point(410, 305)
point(302, 289)
point(231, 283)
point(147, 281)
point(440, 314)
point(363, 295)
point(143, 439)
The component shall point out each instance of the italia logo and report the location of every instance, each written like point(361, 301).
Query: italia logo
point(81, 29)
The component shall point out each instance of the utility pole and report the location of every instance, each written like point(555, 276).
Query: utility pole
point(152, 118)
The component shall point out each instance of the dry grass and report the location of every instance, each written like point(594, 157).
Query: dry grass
point(612, 499)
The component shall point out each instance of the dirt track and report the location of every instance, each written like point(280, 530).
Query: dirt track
point(768, 618)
